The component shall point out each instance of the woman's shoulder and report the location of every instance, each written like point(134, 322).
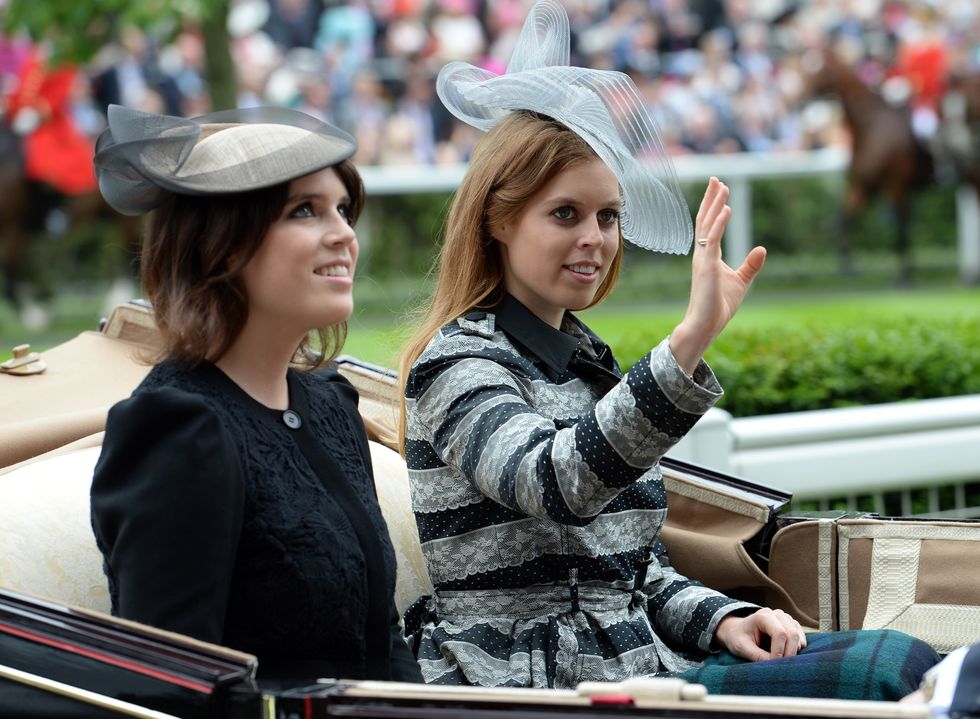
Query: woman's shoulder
point(473, 335)
point(327, 391)
point(170, 399)
point(173, 376)
point(328, 383)
point(166, 429)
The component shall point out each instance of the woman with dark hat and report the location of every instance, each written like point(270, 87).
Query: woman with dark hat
point(233, 500)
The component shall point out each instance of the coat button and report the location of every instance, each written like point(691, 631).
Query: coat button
point(291, 419)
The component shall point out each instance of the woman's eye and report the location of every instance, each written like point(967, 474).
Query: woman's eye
point(563, 213)
point(346, 212)
point(608, 217)
point(304, 210)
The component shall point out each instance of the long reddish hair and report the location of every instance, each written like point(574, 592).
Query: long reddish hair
point(517, 158)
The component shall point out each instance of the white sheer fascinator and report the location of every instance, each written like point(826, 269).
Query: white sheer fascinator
point(602, 107)
point(143, 156)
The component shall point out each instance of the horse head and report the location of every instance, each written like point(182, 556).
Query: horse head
point(824, 72)
point(821, 72)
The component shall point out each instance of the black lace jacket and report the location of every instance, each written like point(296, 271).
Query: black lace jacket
point(234, 523)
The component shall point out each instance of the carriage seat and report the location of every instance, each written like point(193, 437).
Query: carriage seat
point(49, 550)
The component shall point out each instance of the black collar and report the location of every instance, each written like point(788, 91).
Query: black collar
point(553, 347)
point(556, 348)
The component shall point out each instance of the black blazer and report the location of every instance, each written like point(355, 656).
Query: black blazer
point(227, 521)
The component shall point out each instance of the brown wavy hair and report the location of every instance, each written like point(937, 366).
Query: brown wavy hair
point(516, 159)
point(192, 257)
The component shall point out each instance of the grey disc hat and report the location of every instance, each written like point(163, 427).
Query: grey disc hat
point(600, 106)
point(142, 157)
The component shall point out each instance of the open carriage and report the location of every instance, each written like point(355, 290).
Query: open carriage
point(61, 654)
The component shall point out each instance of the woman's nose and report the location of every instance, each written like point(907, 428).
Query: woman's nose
point(592, 234)
point(340, 231)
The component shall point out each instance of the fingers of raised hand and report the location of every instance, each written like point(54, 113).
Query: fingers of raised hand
point(715, 188)
point(713, 214)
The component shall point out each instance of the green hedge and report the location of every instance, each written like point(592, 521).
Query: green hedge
point(769, 371)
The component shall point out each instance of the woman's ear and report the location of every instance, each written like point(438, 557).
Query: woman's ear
point(502, 235)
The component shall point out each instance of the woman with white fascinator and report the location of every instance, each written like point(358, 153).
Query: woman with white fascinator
point(533, 460)
point(234, 498)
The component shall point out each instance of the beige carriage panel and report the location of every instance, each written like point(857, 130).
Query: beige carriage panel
point(803, 560)
point(902, 574)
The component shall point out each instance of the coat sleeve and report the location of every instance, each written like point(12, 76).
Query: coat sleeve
point(683, 610)
point(404, 667)
point(167, 504)
point(476, 411)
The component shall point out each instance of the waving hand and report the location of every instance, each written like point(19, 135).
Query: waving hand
point(717, 290)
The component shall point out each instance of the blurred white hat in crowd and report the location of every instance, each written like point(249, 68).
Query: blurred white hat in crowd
point(247, 16)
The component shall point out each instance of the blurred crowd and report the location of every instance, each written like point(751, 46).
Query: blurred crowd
point(719, 75)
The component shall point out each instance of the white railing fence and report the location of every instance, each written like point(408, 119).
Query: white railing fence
point(738, 170)
point(879, 457)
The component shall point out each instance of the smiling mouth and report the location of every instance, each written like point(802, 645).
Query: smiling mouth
point(587, 270)
point(332, 271)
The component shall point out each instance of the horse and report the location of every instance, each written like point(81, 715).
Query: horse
point(887, 159)
point(959, 130)
point(23, 206)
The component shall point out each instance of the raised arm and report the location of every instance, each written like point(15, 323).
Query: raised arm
point(717, 290)
point(472, 398)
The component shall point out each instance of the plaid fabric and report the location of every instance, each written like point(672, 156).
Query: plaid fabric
point(880, 665)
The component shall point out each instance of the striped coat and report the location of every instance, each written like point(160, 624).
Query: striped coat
point(536, 488)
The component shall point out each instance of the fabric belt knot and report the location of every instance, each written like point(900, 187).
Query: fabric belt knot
point(573, 589)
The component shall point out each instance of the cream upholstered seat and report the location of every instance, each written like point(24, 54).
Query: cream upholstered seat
point(49, 551)
point(46, 533)
point(391, 480)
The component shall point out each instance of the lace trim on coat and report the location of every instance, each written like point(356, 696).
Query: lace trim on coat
point(441, 488)
point(513, 543)
point(628, 431)
point(685, 393)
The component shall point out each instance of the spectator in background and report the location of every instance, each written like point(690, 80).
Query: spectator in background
point(346, 40)
point(14, 52)
point(419, 105)
point(293, 23)
point(131, 76)
point(40, 109)
point(457, 32)
point(922, 65)
point(183, 61)
point(406, 36)
point(363, 115)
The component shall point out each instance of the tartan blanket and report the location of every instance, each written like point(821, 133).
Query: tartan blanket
point(879, 665)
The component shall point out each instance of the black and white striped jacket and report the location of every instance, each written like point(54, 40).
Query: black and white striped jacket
point(533, 461)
